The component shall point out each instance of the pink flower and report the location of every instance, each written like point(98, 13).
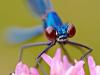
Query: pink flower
point(22, 69)
point(59, 65)
point(94, 70)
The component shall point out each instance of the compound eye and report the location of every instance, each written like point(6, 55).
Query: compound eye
point(50, 33)
point(71, 30)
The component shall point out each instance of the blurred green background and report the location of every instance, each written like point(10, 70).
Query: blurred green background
point(85, 14)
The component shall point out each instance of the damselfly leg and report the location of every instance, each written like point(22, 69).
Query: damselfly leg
point(31, 45)
point(49, 44)
point(66, 52)
point(80, 45)
point(38, 59)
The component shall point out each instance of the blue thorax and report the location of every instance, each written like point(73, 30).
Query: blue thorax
point(53, 20)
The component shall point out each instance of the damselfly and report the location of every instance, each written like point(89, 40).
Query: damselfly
point(55, 30)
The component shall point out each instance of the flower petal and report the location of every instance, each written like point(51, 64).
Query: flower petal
point(92, 65)
point(66, 63)
point(47, 58)
point(57, 55)
point(34, 71)
point(97, 70)
point(56, 68)
point(77, 69)
point(21, 69)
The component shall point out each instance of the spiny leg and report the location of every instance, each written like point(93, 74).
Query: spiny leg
point(66, 52)
point(41, 66)
point(30, 45)
point(38, 59)
point(80, 45)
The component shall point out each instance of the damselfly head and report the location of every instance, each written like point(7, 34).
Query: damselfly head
point(60, 33)
point(71, 30)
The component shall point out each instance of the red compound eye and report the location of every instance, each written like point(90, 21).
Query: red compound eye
point(71, 30)
point(50, 33)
